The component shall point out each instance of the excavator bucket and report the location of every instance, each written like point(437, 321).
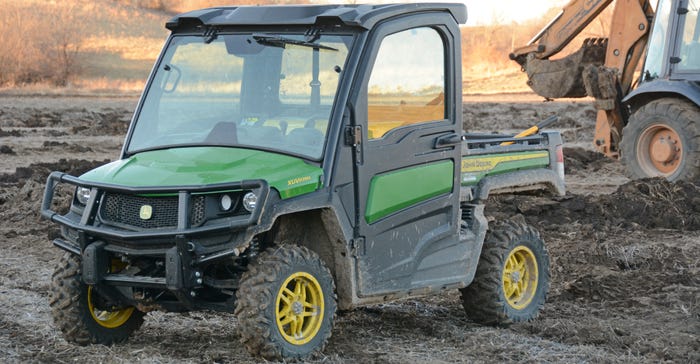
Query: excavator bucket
point(564, 77)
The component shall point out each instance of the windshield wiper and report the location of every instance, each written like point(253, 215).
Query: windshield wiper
point(277, 41)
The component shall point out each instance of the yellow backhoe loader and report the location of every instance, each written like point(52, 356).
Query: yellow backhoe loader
point(650, 122)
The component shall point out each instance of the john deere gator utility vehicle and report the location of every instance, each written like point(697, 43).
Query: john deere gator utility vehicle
point(288, 161)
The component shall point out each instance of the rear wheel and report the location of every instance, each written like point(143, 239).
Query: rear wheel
point(662, 139)
point(82, 314)
point(286, 304)
point(512, 278)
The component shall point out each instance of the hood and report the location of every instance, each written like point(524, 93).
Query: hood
point(196, 166)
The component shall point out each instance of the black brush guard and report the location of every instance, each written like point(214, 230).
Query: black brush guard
point(181, 273)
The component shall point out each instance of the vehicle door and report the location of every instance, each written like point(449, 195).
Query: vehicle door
point(407, 182)
point(685, 62)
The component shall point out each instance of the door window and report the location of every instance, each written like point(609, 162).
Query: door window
point(407, 84)
point(690, 39)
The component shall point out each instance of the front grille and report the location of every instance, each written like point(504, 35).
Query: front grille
point(125, 210)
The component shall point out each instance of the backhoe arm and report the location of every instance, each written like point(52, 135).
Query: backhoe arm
point(575, 16)
point(603, 68)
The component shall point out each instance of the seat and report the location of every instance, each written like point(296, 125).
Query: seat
point(263, 135)
point(223, 133)
point(309, 137)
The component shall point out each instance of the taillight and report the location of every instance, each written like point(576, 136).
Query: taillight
point(560, 154)
point(559, 168)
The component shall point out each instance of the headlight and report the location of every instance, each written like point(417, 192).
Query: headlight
point(82, 194)
point(225, 203)
point(250, 200)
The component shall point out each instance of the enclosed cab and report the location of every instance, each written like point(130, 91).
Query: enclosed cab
point(286, 161)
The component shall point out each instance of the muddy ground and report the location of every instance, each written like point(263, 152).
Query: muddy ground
point(624, 272)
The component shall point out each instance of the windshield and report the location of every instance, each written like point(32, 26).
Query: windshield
point(259, 90)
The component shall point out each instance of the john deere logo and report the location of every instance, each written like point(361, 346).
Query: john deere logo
point(146, 212)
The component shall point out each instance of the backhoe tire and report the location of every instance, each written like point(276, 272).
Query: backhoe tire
point(286, 304)
point(662, 138)
point(75, 313)
point(512, 276)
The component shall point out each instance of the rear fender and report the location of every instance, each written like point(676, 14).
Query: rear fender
point(519, 181)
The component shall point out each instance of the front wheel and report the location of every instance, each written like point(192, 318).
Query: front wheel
point(286, 304)
point(662, 139)
point(82, 314)
point(512, 277)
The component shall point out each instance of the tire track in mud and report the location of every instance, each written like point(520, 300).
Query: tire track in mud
point(25, 324)
point(436, 329)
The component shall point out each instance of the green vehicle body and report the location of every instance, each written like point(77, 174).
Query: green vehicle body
point(289, 176)
point(223, 165)
point(392, 191)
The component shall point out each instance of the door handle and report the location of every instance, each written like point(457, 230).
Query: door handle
point(448, 140)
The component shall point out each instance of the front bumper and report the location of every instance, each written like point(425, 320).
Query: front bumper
point(182, 248)
point(86, 223)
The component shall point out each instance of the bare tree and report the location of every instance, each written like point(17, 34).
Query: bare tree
point(39, 42)
point(63, 45)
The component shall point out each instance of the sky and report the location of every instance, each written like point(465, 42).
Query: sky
point(483, 12)
point(480, 12)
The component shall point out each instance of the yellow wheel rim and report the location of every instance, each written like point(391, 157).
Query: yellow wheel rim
point(299, 308)
point(520, 277)
point(108, 319)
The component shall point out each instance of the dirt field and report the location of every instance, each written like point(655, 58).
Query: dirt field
point(625, 270)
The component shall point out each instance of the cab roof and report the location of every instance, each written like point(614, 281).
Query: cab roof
point(363, 16)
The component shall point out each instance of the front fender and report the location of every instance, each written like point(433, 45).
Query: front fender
point(657, 89)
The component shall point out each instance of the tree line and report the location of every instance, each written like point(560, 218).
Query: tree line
point(41, 41)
